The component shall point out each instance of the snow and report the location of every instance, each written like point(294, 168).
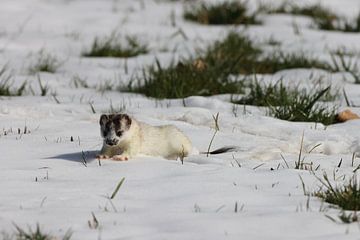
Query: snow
point(43, 176)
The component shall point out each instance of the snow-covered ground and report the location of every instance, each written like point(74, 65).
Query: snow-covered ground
point(43, 176)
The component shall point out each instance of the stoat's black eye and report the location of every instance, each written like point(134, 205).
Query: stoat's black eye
point(119, 133)
point(104, 132)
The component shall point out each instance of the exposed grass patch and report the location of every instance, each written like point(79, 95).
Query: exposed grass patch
point(353, 25)
point(291, 104)
point(311, 10)
point(183, 79)
point(346, 196)
point(279, 60)
point(236, 50)
point(323, 18)
point(341, 24)
point(5, 84)
point(228, 12)
point(112, 46)
point(208, 73)
point(246, 57)
point(45, 62)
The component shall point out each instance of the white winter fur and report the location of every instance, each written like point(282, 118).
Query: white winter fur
point(166, 141)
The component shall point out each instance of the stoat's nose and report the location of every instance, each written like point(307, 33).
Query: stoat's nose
point(111, 142)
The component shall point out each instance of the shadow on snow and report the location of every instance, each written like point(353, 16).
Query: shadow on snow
point(88, 156)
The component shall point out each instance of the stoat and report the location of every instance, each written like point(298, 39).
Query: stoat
point(124, 137)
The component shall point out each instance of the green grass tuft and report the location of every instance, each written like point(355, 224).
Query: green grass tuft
point(5, 84)
point(30, 234)
point(346, 196)
point(229, 12)
point(304, 108)
point(45, 62)
point(112, 47)
point(349, 217)
point(291, 104)
point(344, 61)
point(271, 95)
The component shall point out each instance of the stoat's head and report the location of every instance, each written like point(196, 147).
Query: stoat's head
point(114, 128)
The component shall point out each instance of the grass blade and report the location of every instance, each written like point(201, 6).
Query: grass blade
point(117, 188)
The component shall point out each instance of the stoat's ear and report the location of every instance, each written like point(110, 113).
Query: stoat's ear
point(126, 120)
point(103, 119)
point(123, 121)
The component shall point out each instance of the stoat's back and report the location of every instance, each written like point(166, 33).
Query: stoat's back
point(166, 141)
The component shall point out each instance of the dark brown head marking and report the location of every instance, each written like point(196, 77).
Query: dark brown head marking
point(103, 119)
point(122, 122)
point(114, 125)
point(126, 121)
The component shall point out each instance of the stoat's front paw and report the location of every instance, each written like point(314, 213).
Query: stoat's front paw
point(120, 158)
point(102, 156)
